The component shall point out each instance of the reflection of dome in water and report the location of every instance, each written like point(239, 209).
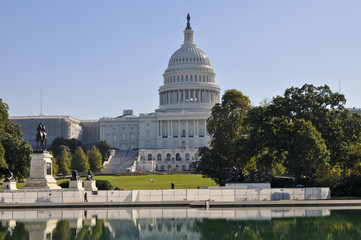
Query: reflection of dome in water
point(189, 80)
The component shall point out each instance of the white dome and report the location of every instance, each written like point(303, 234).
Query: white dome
point(189, 54)
point(189, 81)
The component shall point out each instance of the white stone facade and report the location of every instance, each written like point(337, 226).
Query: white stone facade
point(170, 136)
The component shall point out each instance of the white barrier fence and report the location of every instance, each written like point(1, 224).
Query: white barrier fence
point(216, 195)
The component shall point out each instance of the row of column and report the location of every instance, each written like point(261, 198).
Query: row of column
point(165, 128)
point(188, 96)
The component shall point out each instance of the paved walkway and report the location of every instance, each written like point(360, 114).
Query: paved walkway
point(194, 204)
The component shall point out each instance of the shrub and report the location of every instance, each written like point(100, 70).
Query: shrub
point(104, 185)
point(64, 184)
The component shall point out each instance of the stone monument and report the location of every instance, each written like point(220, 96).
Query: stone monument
point(89, 183)
point(75, 182)
point(9, 184)
point(41, 165)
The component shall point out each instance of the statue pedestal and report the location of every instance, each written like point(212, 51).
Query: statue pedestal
point(9, 186)
point(41, 172)
point(89, 185)
point(76, 185)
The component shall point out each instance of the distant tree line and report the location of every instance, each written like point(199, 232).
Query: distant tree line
point(306, 134)
point(69, 154)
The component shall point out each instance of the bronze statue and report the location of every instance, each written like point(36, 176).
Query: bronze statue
point(41, 137)
point(74, 175)
point(188, 22)
point(90, 175)
point(9, 177)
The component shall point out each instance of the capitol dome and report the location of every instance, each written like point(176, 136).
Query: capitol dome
point(189, 80)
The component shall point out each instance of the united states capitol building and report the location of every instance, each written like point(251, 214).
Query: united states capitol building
point(167, 138)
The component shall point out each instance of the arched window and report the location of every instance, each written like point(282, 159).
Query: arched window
point(162, 167)
point(169, 166)
point(187, 156)
point(178, 157)
point(159, 157)
point(150, 157)
point(168, 156)
point(184, 168)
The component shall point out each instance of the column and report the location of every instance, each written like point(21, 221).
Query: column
point(171, 128)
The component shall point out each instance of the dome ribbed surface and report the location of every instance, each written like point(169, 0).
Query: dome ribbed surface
point(188, 55)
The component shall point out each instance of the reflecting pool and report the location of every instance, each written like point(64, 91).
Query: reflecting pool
point(181, 223)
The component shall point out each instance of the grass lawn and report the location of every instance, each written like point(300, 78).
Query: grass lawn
point(143, 181)
point(160, 181)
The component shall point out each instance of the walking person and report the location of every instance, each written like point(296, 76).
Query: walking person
point(172, 185)
point(85, 197)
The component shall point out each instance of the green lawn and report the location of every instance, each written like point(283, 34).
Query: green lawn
point(160, 181)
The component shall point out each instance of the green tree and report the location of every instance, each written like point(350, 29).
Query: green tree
point(95, 160)
point(16, 151)
point(54, 164)
point(3, 164)
point(225, 126)
point(63, 160)
point(79, 161)
point(72, 144)
point(305, 129)
point(104, 148)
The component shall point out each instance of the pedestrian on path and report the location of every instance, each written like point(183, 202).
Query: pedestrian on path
point(86, 197)
point(172, 185)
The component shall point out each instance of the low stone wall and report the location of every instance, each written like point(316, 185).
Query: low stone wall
point(168, 195)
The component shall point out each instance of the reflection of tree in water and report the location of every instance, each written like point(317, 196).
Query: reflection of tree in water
point(96, 232)
point(340, 225)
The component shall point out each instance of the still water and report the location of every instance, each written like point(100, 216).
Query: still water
point(181, 223)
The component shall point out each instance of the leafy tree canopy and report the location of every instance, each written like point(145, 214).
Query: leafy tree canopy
point(79, 161)
point(14, 149)
point(225, 128)
point(104, 148)
point(63, 161)
point(95, 160)
point(71, 144)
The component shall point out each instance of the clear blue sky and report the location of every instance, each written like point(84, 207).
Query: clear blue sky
point(93, 59)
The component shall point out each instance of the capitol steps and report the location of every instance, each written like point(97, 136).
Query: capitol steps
point(121, 161)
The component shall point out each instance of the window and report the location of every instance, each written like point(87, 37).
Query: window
point(190, 133)
point(187, 156)
point(178, 157)
point(123, 136)
point(159, 157)
point(201, 133)
point(132, 136)
point(149, 157)
point(168, 157)
point(183, 133)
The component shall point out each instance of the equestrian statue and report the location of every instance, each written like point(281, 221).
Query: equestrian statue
point(41, 137)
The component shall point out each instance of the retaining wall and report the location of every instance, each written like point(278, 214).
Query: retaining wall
point(215, 195)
